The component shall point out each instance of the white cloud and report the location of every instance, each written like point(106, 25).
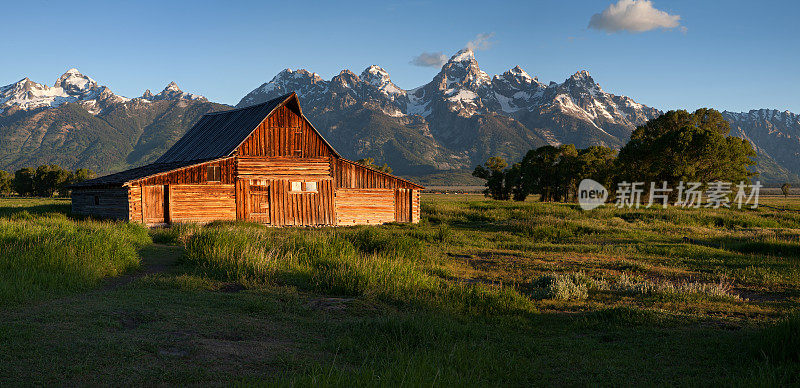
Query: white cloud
point(481, 42)
point(436, 59)
point(633, 16)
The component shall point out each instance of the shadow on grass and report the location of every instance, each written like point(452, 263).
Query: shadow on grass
point(35, 210)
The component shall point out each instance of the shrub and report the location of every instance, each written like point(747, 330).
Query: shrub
point(561, 286)
point(719, 290)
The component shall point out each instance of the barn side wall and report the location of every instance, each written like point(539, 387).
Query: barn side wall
point(201, 203)
point(366, 196)
point(192, 175)
point(101, 203)
point(415, 206)
point(365, 206)
point(184, 195)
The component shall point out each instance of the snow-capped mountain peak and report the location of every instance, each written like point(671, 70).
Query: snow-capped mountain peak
point(463, 55)
point(75, 87)
point(379, 78)
point(73, 82)
point(288, 75)
point(521, 74)
point(72, 86)
point(172, 92)
point(461, 87)
point(582, 79)
point(462, 68)
point(172, 87)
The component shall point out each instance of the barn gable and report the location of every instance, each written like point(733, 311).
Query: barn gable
point(221, 134)
point(285, 133)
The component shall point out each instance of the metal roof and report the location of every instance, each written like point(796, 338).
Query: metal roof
point(218, 134)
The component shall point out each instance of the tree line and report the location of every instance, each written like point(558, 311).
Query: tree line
point(676, 146)
point(44, 181)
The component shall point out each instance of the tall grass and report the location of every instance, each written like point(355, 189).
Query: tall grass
point(52, 254)
point(781, 342)
point(354, 262)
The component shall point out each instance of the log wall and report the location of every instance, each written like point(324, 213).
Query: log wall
point(364, 206)
point(201, 203)
point(415, 206)
point(192, 174)
point(101, 203)
point(352, 175)
point(283, 168)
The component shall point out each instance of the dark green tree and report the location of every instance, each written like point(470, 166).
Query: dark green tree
point(370, 162)
point(493, 171)
point(785, 189)
point(549, 171)
point(23, 181)
point(516, 183)
point(6, 183)
point(596, 163)
point(49, 180)
point(80, 175)
point(682, 146)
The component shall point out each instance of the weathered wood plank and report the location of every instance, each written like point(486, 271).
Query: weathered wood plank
point(203, 203)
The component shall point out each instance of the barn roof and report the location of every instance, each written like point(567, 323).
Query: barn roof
point(219, 134)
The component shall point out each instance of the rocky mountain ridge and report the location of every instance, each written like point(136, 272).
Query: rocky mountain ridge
point(441, 129)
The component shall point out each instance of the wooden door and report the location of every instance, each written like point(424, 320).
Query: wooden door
point(259, 203)
point(402, 205)
point(154, 204)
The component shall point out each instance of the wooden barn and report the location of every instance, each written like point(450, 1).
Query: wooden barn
point(265, 163)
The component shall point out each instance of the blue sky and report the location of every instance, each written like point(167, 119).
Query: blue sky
point(734, 55)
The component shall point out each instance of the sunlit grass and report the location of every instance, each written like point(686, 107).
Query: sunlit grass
point(52, 254)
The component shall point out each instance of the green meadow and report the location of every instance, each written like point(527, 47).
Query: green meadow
point(479, 293)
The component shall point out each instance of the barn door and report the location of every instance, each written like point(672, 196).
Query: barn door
point(154, 204)
point(402, 205)
point(259, 203)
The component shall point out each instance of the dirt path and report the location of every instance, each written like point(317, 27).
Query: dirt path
point(156, 258)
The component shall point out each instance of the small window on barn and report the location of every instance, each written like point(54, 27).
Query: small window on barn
point(96, 199)
point(212, 173)
point(297, 187)
point(311, 187)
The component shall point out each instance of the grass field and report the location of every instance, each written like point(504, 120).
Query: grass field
point(479, 293)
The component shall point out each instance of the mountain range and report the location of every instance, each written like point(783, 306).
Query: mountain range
point(435, 133)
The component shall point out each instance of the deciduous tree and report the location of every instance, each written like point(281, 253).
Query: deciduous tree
point(493, 171)
point(6, 183)
point(23, 181)
point(682, 146)
point(370, 162)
